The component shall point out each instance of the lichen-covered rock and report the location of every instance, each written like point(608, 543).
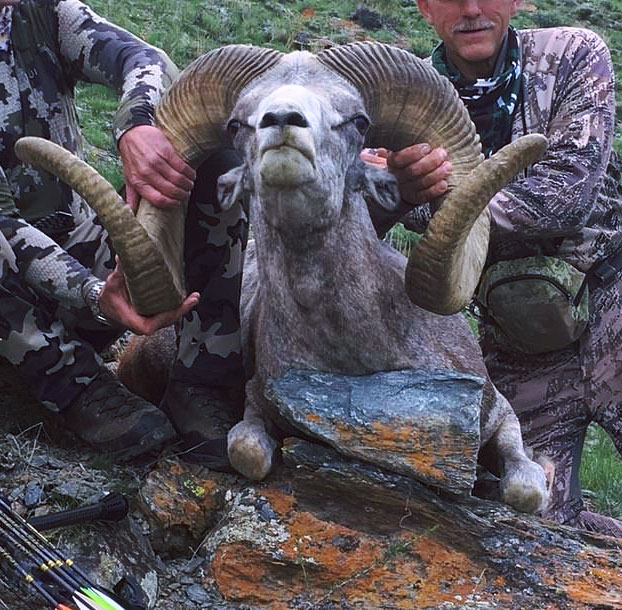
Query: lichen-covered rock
point(330, 532)
point(181, 502)
point(421, 424)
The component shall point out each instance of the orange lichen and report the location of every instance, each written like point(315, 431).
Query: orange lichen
point(282, 503)
point(423, 451)
point(329, 561)
point(600, 584)
point(244, 573)
point(444, 566)
point(179, 495)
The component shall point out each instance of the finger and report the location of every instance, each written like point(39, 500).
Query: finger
point(132, 198)
point(421, 178)
point(160, 199)
point(407, 156)
point(151, 324)
point(173, 176)
point(181, 167)
point(435, 191)
point(416, 195)
point(159, 173)
point(373, 159)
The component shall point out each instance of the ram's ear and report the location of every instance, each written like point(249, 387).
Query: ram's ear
point(381, 194)
point(233, 186)
point(380, 187)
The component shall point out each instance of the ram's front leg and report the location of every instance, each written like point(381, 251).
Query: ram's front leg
point(250, 447)
point(524, 482)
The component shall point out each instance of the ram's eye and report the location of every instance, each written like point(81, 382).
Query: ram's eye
point(361, 123)
point(233, 126)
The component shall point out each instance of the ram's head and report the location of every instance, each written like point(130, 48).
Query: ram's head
point(301, 120)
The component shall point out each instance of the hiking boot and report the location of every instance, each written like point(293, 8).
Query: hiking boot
point(599, 524)
point(202, 416)
point(112, 420)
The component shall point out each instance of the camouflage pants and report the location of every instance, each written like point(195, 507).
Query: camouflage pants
point(56, 350)
point(557, 395)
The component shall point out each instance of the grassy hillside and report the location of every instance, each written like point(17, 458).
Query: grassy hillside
point(188, 28)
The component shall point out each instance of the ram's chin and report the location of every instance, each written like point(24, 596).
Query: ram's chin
point(286, 167)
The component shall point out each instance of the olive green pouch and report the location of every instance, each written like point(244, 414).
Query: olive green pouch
point(538, 304)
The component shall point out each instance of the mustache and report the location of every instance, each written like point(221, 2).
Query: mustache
point(472, 26)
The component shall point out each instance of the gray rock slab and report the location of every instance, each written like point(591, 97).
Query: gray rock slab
point(422, 424)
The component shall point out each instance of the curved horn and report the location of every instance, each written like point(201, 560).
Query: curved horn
point(192, 114)
point(151, 284)
point(195, 109)
point(459, 233)
point(410, 102)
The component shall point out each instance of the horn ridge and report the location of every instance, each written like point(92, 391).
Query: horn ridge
point(193, 111)
point(150, 281)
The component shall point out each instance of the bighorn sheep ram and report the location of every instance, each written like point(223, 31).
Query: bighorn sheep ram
point(323, 293)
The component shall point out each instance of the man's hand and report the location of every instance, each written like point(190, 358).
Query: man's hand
point(115, 304)
point(153, 169)
point(421, 172)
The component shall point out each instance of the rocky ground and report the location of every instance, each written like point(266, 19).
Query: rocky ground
point(43, 469)
point(323, 532)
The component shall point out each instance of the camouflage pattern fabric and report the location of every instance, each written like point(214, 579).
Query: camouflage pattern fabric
point(46, 330)
point(558, 394)
point(49, 335)
point(54, 44)
point(566, 205)
point(5, 26)
point(557, 208)
point(538, 303)
point(209, 336)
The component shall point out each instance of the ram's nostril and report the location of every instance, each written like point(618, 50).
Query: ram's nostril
point(269, 120)
point(296, 119)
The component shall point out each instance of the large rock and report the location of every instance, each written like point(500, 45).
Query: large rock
point(422, 424)
point(330, 532)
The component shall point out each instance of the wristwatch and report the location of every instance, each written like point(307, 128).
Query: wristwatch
point(92, 300)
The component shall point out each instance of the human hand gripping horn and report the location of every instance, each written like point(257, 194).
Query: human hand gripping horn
point(153, 271)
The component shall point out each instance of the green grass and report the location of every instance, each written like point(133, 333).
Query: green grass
point(187, 28)
point(601, 473)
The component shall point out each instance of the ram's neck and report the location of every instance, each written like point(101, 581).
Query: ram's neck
point(302, 265)
point(324, 304)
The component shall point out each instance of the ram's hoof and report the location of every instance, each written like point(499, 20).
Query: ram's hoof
point(251, 450)
point(525, 488)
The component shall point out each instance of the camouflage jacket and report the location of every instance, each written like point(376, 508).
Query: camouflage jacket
point(559, 207)
point(566, 204)
point(54, 44)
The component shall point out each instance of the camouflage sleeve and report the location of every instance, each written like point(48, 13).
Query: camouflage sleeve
point(100, 52)
point(7, 203)
point(571, 95)
point(46, 267)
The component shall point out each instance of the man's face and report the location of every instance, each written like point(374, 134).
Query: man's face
point(472, 30)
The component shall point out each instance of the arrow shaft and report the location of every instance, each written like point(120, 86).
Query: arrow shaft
point(42, 545)
point(19, 533)
point(28, 578)
point(46, 563)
